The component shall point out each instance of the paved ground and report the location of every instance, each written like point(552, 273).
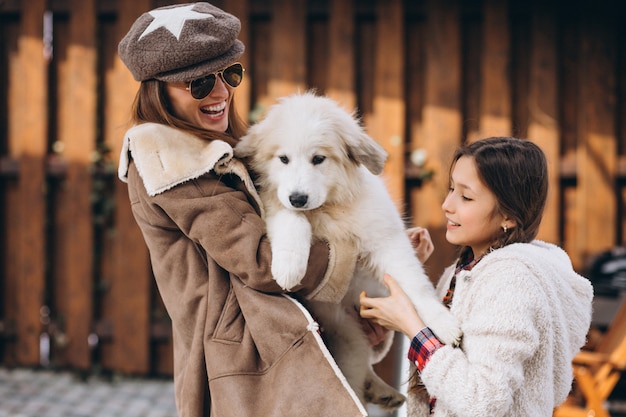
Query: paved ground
point(40, 393)
point(30, 393)
point(37, 393)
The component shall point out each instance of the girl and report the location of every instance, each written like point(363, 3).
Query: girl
point(523, 310)
point(240, 347)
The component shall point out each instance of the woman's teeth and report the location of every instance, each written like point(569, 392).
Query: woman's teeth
point(214, 110)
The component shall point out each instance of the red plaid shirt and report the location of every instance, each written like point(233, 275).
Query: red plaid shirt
point(425, 343)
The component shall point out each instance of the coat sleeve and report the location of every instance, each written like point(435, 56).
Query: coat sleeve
point(217, 215)
point(499, 335)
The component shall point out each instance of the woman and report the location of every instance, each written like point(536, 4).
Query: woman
point(523, 310)
point(240, 347)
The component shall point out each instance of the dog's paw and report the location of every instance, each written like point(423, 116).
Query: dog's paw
point(379, 393)
point(446, 329)
point(288, 268)
point(290, 236)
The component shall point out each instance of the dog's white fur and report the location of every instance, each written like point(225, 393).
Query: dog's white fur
point(318, 176)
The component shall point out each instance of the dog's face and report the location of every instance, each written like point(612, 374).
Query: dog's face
point(308, 151)
point(302, 172)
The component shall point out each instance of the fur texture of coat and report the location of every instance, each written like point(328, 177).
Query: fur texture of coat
point(241, 347)
point(524, 313)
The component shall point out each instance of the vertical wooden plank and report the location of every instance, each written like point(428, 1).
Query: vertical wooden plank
point(288, 54)
point(258, 50)
point(521, 22)
point(621, 127)
point(569, 36)
point(419, 159)
point(495, 103)
point(8, 33)
point(596, 162)
point(415, 65)
point(126, 269)
point(388, 122)
point(441, 119)
point(471, 77)
point(341, 52)
point(542, 98)
point(240, 9)
point(8, 51)
point(76, 137)
point(317, 51)
point(25, 197)
point(365, 63)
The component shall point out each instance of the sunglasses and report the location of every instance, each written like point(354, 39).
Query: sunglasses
point(202, 87)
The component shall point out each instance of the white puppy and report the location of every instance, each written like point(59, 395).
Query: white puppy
point(318, 176)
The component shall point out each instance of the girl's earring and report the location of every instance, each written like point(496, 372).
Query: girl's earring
point(505, 228)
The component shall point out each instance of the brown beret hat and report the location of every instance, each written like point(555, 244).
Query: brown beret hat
point(181, 42)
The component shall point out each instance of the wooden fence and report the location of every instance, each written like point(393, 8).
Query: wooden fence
point(75, 282)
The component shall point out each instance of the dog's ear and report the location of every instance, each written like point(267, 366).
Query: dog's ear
point(245, 148)
point(360, 147)
point(366, 151)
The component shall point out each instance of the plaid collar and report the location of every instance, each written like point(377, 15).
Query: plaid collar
point(464, 264)
point(468, 265)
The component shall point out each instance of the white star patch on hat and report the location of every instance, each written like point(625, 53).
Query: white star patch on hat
point(173, 19)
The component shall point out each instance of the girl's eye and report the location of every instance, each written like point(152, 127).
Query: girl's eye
point(318, 159)
point(464, 197)
point(284, 159)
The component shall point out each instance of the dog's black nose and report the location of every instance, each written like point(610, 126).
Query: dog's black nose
point(298, 200)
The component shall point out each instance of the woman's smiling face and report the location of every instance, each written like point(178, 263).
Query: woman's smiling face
point(210, 113)
point(471, 209)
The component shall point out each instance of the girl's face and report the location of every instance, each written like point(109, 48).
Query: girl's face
point(210, 113)
point(470, 208)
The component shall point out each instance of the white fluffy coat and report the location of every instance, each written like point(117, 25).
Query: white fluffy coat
point(524, 313)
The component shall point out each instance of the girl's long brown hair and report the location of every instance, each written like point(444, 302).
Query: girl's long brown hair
point(516, 172)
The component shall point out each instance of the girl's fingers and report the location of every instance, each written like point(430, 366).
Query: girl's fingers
point(415, 235)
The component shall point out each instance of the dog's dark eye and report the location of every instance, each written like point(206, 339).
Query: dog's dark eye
point(284, 159)
point(318, 159)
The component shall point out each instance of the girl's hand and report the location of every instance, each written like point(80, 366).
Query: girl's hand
point(395, 312)
point(422, 242)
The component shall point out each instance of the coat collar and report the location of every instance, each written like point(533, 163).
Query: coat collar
point(166, 157)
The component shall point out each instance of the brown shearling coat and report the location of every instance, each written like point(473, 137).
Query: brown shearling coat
point(241, 348)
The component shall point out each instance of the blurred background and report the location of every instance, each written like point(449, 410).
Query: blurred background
point(76, 291)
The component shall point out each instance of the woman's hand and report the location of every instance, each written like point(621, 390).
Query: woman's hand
point(422, 242)
point(375, 333)
point(395, 312)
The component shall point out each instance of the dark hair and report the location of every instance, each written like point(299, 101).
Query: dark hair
point(152, 104)
point(516, 171)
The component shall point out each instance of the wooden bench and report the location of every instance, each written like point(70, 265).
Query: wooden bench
point(597, 371)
